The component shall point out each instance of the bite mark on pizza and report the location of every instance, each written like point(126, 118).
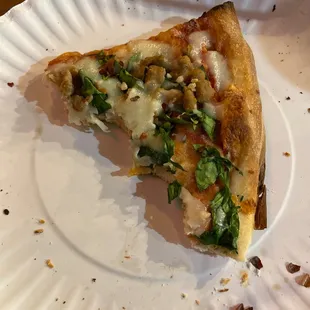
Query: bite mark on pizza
point(188, 99)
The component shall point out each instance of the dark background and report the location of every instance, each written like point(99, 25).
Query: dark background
point(5, 5)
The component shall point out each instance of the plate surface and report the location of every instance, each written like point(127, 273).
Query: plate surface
point(114, 241)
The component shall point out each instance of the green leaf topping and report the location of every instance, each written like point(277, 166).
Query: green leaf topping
point(99, 98)
point(206, 173)
point(99, 102)
point(197, 146)
point(225, 219)
point(174, 190)
point(133, 60)
point(208, 123)
point(130, 80)
point(193, 118)
point(225, 222)
point(158, 158)
point(102, 58)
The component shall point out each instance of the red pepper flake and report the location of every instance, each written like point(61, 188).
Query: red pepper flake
point(256, 262)
point(286, 154)
point(303, 280)
point(292, 268)
point(10, 84)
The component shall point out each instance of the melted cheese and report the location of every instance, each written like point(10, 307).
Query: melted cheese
point(197, 40)
point(90, 67)
point(149, 48)
point(138, 115)
point(218, 68)
point(196, 217)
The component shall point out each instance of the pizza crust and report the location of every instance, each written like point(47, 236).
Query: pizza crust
point(242, 130)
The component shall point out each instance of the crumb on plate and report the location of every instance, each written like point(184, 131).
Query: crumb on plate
point(244, 278)
point(49, 263)
point(10, 84)
point(286, 154)
point(197, 302)
point(224, 281)
point(223, 290)
point(184, 295)
point(41, 221)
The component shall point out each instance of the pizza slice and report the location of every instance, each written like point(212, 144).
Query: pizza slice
point(189, 100)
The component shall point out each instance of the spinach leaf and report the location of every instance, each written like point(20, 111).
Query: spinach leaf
point(88, 88)
point(206, 173)
point(225, 220)
point(223, 165)
point(207, 122)
point(133, 60)
point(99, 102)
point(130, 80)
point(159, 158)
point(99, 98)
point(177, 165)
point(197, 146)
point(174, 190)
point(168, 142)
point(117, 67)
point(102, 58)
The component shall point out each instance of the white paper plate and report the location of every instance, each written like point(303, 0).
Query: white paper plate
point(95, 216)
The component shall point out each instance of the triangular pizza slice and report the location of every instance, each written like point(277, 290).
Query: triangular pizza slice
point(189, 100)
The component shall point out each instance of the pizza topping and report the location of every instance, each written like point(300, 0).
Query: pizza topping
point(133, 61)
point(218, 69)
point(138, 115)
point(174, 190)
point(292, 268)
point(197, 218)
point(98, 98)
point(124, 87)
point(149, 48)
point(190, 101)
point(204, 91)
point(155, 77)
point(225, 219)
point(198, 41)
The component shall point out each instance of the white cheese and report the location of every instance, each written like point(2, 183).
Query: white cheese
point(138, 115)
point(214, 110)
point(218, 68)
point(154, 142)
point(197, 40)
point(149, 48)
point(112, 88)
point(90, 67)
point(196, 217)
